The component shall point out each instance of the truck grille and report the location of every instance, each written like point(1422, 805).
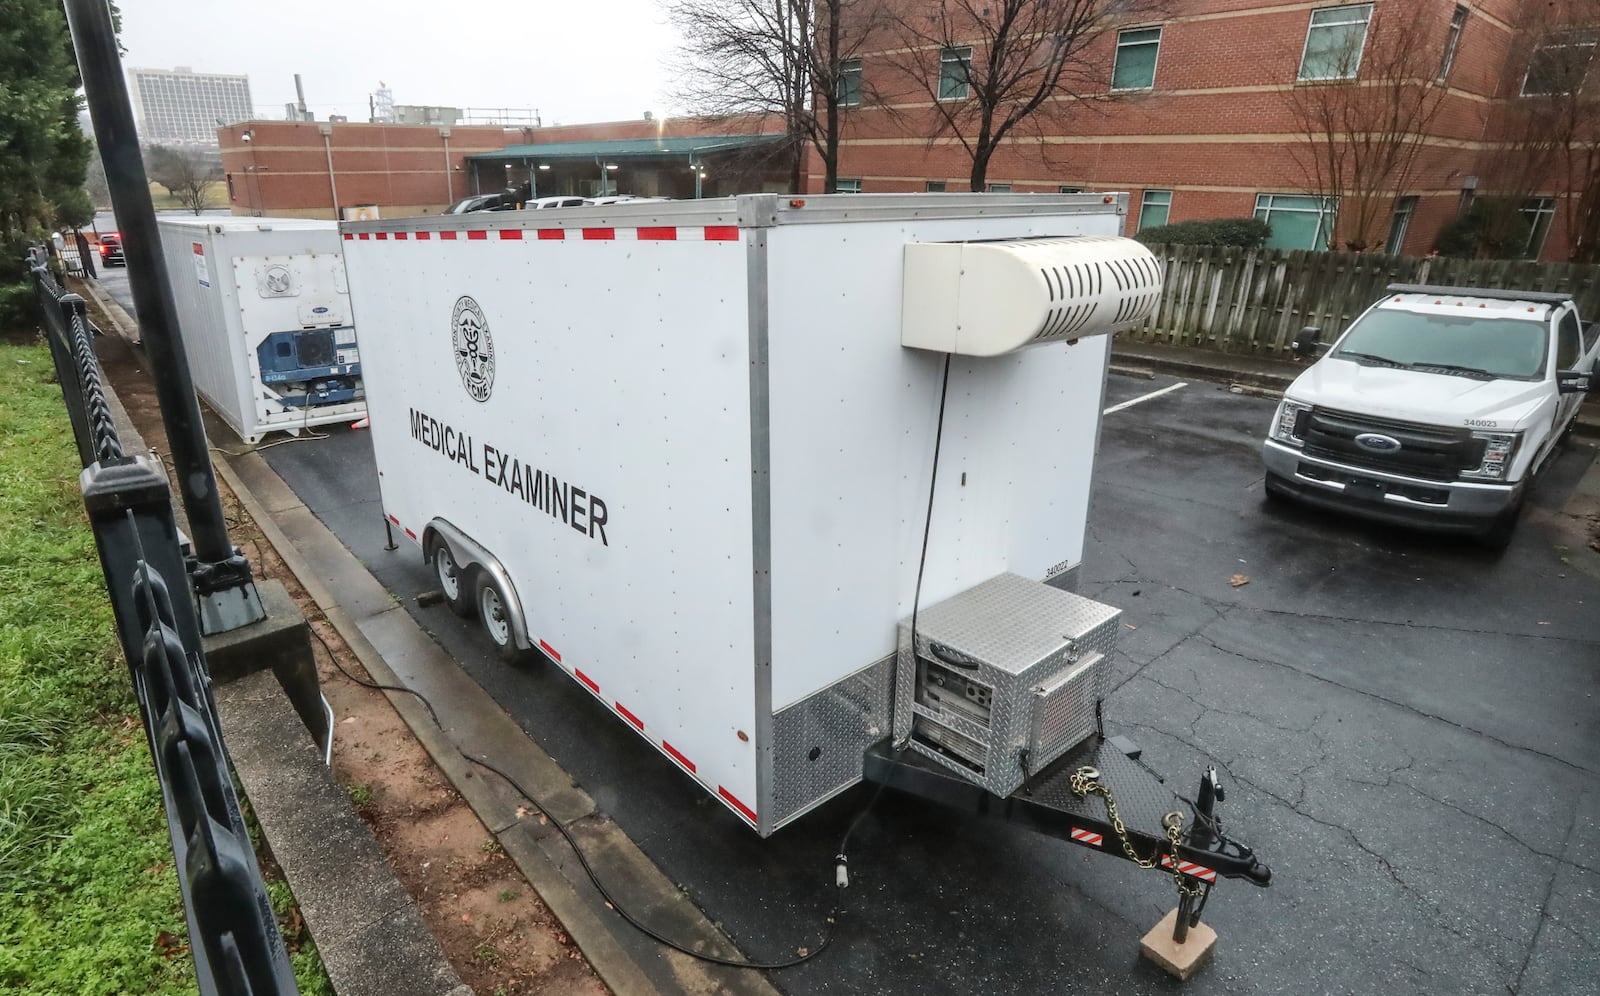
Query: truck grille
point(1430, 452)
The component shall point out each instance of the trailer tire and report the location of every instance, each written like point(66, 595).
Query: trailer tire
point(453, 581)
point(490, 602)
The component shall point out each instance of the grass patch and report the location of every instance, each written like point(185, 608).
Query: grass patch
point(89, 900)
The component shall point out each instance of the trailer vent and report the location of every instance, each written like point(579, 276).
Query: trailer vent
point(989, 298)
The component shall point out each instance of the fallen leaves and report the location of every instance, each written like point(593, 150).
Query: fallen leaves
point(1239, 580)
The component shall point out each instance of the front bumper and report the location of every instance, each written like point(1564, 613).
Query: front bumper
point(1448, 506)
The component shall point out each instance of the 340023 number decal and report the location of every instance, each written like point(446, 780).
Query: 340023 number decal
point(1483, 423)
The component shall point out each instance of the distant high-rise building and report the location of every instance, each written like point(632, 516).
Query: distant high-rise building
point(185, 107)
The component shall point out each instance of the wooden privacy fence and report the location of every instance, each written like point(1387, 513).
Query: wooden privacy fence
point(1255, 301)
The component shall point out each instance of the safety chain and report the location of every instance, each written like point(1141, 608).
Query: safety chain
point(1086, 782)
point(243, 948)
point(64, 314)
point(107, 447)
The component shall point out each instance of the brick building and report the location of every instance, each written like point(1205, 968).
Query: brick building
point(297, 169)
point(1202, 114)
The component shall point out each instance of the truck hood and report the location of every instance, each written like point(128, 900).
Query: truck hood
point(1416, 395)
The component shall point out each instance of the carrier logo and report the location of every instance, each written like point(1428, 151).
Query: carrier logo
point(469, 334)
point(1377, 442)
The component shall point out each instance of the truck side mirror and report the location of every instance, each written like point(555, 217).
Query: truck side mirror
point(1573, 382)
point(1307, 343)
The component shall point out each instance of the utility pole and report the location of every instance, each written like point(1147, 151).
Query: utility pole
point(225, 593)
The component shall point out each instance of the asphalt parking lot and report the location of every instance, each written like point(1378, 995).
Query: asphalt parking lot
point(1406, 726)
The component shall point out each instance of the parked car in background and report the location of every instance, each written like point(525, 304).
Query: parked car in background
point(620, 199)
point(1436, 408)
point(477, 202)
point(111, 250)
point(557, 202)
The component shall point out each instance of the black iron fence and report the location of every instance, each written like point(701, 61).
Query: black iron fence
point(233, 934)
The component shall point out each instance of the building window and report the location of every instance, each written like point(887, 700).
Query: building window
point(1538, 212)
point(1065, 189)
point(850, 83)
point(1298, 222)
point(1154, 208)
point(935, 187)
point(1404, 208)
point(847, 186)
point(1135, 66)
point(999, 188)
point(1452, 41)
point(1334, 43)
point(955, 73)
point(1559, 64)
point(230, 188)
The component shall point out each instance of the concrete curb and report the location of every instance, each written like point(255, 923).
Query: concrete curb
point(369, 932)
point(122, 323)
point(396, 650)
point(334, 866)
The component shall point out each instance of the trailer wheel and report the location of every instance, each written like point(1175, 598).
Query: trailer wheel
point(452, 580)
point(491, 605)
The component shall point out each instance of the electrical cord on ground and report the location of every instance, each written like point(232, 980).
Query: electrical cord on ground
point(583, 859)
point(363, 682)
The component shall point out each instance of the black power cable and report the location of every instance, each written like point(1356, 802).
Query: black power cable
point(583, 859)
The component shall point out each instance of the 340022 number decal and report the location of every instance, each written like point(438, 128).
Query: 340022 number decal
point(1483, 423)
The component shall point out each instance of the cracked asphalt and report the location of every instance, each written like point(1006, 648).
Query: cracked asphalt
point(1406, 727)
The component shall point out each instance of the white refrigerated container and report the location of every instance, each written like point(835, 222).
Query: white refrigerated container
point(264, 312)
point(687, 451)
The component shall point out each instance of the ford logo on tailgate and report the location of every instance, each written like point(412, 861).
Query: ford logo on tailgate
point(1377, 442)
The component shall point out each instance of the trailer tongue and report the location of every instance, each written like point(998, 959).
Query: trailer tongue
point(794, 487)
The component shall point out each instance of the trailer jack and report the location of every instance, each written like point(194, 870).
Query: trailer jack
point(1135, 817)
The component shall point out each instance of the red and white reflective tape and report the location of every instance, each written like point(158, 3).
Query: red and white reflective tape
point(742, 809)
point(647, 233)
point(397, 522)
point(1087, 837)
point(1191, 869)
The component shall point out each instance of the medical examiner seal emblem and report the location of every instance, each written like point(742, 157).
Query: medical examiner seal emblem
point(469, 334)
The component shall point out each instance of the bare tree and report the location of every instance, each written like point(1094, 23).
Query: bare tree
point(188, 175)
point(996, 70)
point(1366, 99)
point(784, 59)
point(1548, 128)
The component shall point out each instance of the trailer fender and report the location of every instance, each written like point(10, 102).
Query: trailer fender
point(470, 555)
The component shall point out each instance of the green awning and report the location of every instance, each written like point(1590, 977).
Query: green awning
point(630, 148)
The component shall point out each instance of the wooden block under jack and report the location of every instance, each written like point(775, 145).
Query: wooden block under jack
point(1181, 960)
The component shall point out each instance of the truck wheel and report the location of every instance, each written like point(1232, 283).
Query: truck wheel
point(452, 582)
point(497, 621)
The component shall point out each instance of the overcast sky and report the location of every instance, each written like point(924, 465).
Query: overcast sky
point(575, 62)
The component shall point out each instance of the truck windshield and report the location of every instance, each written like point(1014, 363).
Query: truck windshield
point(1465, 345)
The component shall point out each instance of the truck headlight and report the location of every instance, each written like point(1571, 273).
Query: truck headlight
point(1288, 424)
point(1498, 449)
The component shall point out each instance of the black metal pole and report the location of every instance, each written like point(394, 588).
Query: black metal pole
point(221, 577)
point(107, 94)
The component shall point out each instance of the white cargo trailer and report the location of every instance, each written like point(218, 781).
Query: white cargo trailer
point(264, 312)
point(688, 450)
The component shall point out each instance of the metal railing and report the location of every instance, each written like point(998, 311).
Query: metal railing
point(233, 934)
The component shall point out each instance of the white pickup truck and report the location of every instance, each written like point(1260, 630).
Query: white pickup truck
point(1435, 408)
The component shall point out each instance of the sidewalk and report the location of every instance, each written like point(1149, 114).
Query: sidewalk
point(1267, 374)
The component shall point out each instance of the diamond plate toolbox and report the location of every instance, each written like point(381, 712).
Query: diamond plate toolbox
point(1004, 678)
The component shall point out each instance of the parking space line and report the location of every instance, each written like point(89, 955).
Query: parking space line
point(1147, 397)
